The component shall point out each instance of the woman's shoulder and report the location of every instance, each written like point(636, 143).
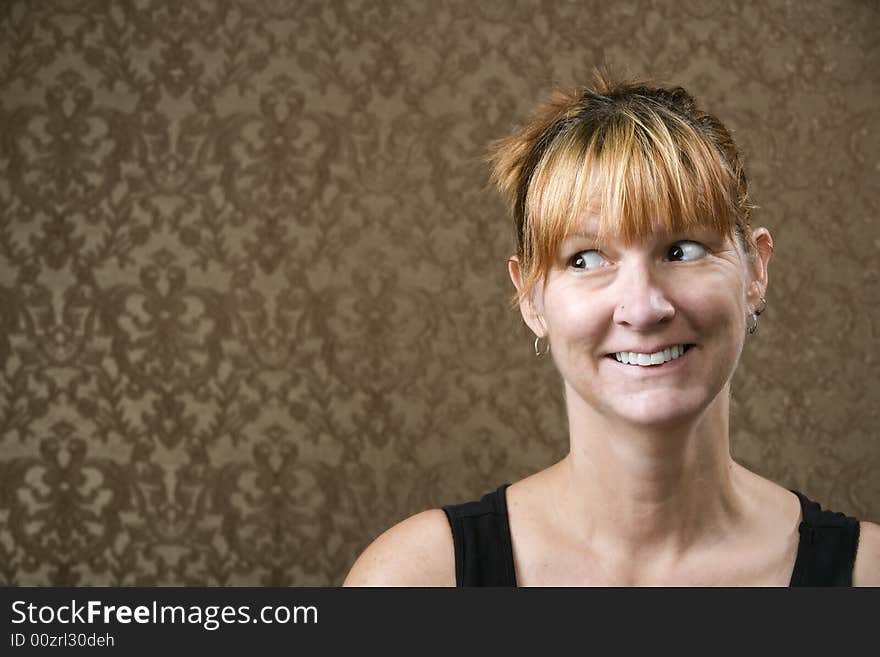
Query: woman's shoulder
point(866, 571)
point(417, 551)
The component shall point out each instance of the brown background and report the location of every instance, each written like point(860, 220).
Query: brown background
point(253, 292)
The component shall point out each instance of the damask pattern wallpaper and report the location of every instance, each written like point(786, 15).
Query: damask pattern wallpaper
point(253, 286)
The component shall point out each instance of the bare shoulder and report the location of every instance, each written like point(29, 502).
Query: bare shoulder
point(866, 571)
point(417, 551)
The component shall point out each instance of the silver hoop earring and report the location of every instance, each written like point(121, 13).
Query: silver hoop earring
point(541, 352)
point(752, 326)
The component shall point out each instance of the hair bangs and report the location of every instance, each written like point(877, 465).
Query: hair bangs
point(638, 172)
point(639, 156)
point(655, 172)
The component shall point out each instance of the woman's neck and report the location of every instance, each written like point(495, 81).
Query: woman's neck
point(652, 494)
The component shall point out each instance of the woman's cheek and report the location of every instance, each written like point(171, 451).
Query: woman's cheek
point(580, 314)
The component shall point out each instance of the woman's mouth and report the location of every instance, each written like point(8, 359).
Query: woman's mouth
point(658, 360)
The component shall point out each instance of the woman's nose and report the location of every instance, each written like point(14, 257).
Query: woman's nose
point(642, 301)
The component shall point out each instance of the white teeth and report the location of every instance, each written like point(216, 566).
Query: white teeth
point(633, 358)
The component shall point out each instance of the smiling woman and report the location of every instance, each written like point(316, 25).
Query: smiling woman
point(639, 272)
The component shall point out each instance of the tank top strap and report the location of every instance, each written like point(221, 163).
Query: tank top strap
point(481, 537)
point(828, 544)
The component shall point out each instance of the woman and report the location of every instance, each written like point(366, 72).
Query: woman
point(640, 275)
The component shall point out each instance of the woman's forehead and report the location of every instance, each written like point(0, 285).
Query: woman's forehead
point(589, 223)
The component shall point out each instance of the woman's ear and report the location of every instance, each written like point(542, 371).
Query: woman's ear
point(763, 252)
point(532, 307)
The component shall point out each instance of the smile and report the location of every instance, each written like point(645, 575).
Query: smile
point(651, 360)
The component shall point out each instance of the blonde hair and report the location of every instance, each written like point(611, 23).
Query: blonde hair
point(635, 151)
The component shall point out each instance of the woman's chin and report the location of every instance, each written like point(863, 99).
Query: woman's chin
point(659, 408)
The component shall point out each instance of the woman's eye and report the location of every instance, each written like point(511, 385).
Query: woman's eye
point(686, 250)
point(587, 260)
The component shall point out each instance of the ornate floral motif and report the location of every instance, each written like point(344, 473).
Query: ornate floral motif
point(66, 152)
point(165, 333)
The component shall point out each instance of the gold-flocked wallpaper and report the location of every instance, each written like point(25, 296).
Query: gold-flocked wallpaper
point(253, 288)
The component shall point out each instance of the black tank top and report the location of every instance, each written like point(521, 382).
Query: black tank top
point(484, 556)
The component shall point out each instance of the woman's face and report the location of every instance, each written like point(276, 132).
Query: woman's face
point(693, 289)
